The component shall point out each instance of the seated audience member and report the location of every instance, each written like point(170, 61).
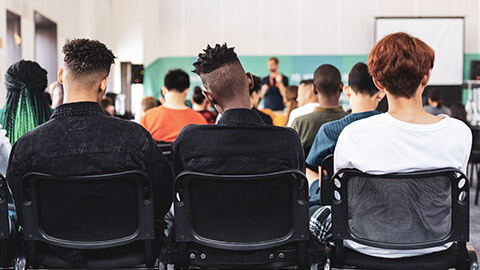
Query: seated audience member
point(55, 90)
point(364, 98)
point(435, 103)
point(307, 100)
point(255, 98)
point(241, 143)
point(458, 111)
point(48, 98)
point(26, 107)
point(165, 122)
point(107, 105)
point(291, 104)
point(328, 85)
point(81, 139)
point(148, 103)
point(201, 105)
point(406, 138)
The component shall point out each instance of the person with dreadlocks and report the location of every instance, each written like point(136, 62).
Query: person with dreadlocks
point(80, 139)
point(26, 107)
point(241, 142)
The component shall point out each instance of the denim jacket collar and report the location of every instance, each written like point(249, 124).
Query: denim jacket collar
point(240, 116)
point(78, 109)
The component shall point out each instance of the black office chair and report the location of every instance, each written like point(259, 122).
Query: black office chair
point(402, 211)
point(475, 159)
point(95, 221)
point(241, 221)
point(326, 180)
point(5, 248)
point(166, 148)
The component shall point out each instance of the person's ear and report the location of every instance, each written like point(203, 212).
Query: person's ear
point(347, 91)
point(164, 91)
point(426, 78)
point(209, 97)
point(185, 92)
point(380, 95)
point(341, 87)
point(378, 85)
point(314, 90)
point(60, 76)
point(250, 80)
point(103, 84)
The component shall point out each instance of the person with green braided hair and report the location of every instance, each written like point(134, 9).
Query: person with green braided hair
point(25, 107)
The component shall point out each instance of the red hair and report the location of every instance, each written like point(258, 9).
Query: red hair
point(399, 62)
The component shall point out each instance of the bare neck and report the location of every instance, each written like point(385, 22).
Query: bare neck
point(175, 100)
point(235, 103)
point(74, 93)
point(410, 110)
point(328, 102)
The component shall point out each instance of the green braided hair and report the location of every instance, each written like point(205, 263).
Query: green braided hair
point(26, 107)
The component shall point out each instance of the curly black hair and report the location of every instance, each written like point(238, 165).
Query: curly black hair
point(213, 58)
point(84, 56)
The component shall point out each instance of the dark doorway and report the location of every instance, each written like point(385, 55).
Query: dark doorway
point(14, 38)
point(46, 45)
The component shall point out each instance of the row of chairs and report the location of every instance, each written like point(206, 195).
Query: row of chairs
point(242, 221)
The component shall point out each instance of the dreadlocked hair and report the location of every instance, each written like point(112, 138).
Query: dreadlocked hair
point(213, 58)
point(26, 107)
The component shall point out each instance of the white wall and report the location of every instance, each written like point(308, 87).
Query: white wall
point(289, 27)
point(141, 31)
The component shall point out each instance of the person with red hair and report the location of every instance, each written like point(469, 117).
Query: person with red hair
point(405, 139)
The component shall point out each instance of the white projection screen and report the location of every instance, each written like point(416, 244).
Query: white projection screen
point(445, 35)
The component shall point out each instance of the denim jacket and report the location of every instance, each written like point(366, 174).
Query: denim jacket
point(80, 139)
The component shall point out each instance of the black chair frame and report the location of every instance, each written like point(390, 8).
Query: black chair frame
point(459, 233)
point(326, 181)
point(33, 232)
point(5, 252)
point(191, 244)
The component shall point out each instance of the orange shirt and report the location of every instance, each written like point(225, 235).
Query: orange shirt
point(165, 124)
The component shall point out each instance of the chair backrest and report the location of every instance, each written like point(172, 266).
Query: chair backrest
point(4, 222)
point(241, 212)
point(475, 138)
point(401, 211)
point(88, 212)
point(326, 183)
point(165, 147)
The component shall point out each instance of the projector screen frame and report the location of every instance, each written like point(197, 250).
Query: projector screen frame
point(429, 17)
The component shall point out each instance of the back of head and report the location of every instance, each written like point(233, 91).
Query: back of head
point(87, 62)
point(148, 103)
point(222, 74)
point(399, 63)
point(26, 106)
point(257, 84)
point(292, 93)
point(457, 110)
point(436, 95)
point(198, 96)
point(176, 80)
point(327, 80)
point(360, 80)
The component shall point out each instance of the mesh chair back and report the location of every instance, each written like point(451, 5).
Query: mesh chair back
point(88, 212)
point(241, 211)
point(401, 211)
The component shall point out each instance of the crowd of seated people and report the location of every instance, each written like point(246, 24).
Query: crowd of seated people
point(81, 138)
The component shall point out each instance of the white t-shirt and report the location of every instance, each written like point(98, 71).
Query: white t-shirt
point(382, 144)
point(304, 110)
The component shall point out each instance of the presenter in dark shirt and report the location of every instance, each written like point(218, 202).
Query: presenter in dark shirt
point(274, 87)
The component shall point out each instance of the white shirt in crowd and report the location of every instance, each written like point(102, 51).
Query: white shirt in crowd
point(303, 110)
point(5, 149)
point(382, 144)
